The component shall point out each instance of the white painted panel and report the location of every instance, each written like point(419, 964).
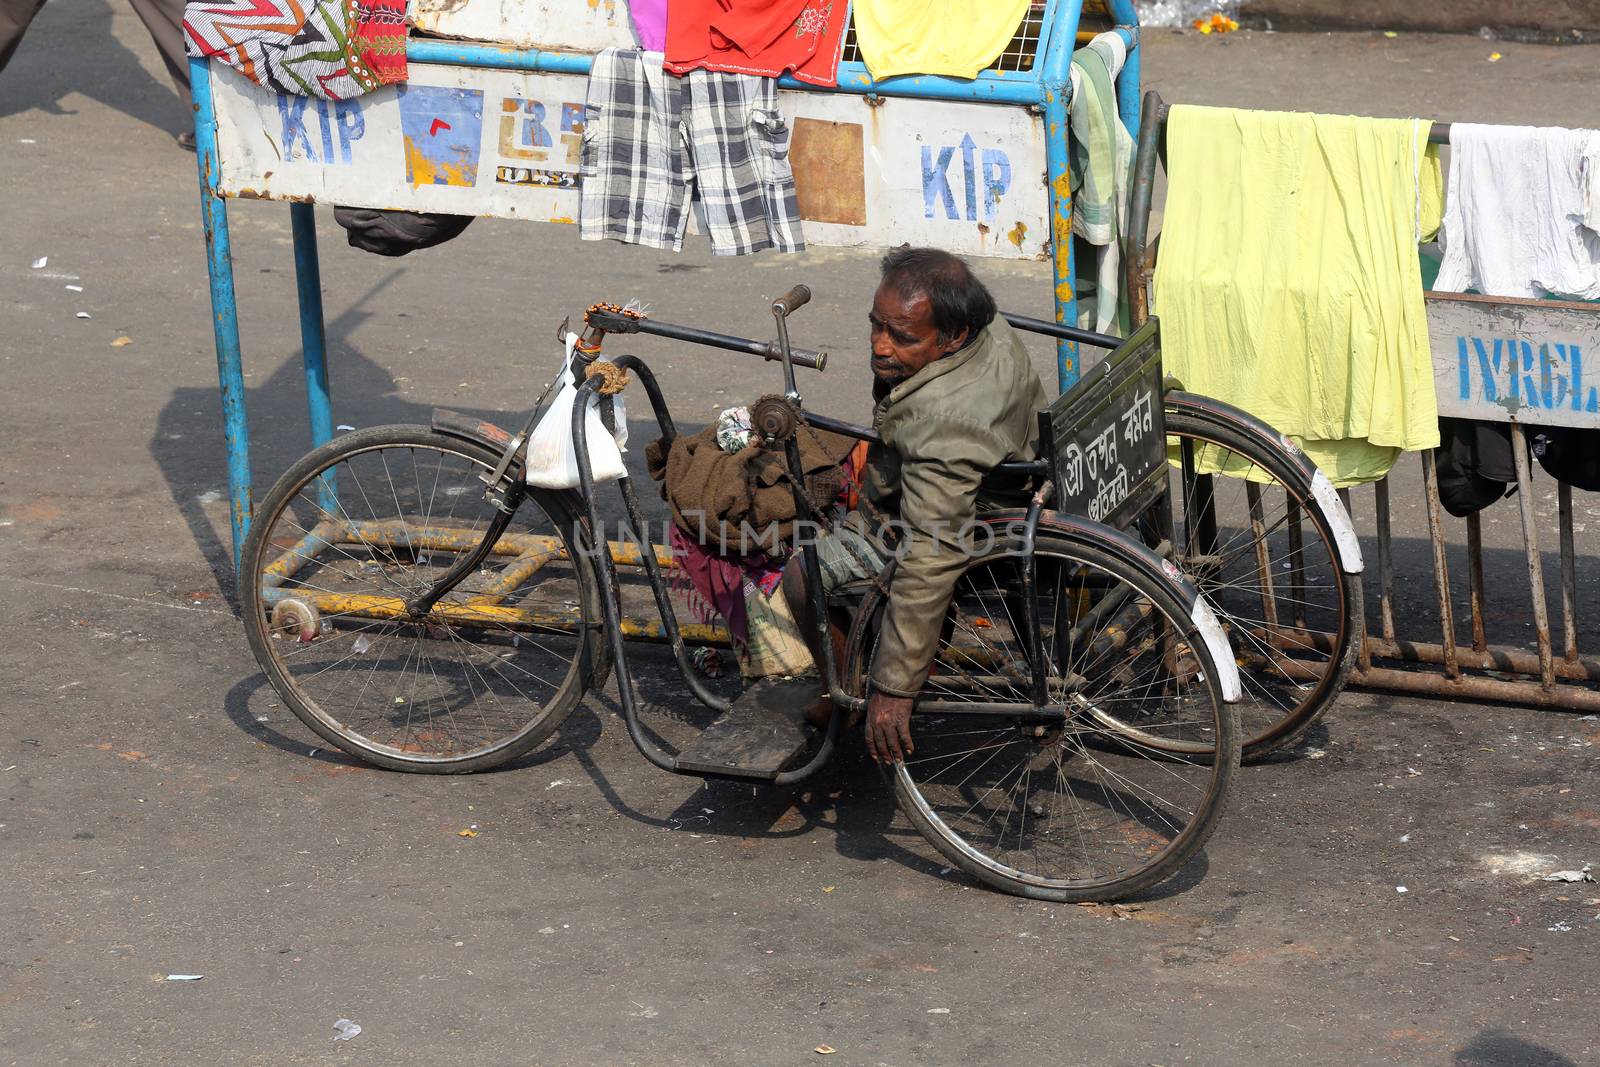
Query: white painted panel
point(965, 177)
point(1529, 361)
point(469, 142)
point(562, 25)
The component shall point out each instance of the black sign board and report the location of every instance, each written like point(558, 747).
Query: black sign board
point(1105, 437)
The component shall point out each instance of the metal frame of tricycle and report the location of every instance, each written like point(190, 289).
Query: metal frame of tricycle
point(781, 430)
point(524, 555)
point(1045, 88)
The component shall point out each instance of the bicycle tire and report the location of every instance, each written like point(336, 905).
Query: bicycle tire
point(1290, 675)
point(357, 527)
point(1102, 768)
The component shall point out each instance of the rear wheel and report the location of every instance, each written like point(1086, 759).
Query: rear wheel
point(1254, 539)
point(1114, 782)
point(363, 525)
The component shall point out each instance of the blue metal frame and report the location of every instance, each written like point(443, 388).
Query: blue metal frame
point(1047, 87)
point(224, 308)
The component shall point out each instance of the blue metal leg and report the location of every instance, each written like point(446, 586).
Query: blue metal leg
point(1129, 99)
point(313, 334)
point(314, 342)
point(224, 309)
point(1056, 84)
point(1060, 187)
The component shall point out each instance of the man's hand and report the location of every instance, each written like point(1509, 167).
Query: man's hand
point(889, 727)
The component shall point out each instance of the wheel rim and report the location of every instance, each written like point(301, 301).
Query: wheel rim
point(1272, 576)
point(1084, 804)
point(363, 535)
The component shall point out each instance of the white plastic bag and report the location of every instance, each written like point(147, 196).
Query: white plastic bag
point(552, 459)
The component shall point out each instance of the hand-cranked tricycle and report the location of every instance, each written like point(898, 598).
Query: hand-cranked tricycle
point(421, 606)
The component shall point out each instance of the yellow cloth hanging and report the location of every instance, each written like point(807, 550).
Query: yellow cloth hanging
point(1287, 280)
point(955, 38)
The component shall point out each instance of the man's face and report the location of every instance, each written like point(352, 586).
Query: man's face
point(904, 339)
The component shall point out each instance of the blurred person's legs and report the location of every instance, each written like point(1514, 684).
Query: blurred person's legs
point(164, 20)
point(14, 18)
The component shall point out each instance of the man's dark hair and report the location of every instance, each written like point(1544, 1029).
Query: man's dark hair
point(959, 300)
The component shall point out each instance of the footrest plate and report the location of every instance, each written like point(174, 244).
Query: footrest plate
point(759, 736)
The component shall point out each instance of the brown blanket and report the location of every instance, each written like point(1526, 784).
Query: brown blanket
point(713, 492)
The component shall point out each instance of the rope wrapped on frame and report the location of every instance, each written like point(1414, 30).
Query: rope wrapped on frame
point(613, 378)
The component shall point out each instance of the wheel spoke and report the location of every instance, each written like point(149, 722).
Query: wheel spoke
point(1113, 797)
point(429, 692)
point(1272, 555)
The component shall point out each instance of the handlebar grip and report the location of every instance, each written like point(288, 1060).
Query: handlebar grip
point(792, 301)
point(814, 359)
point(805, 357)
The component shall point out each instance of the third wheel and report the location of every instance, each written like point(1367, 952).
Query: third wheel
point(1254, 539)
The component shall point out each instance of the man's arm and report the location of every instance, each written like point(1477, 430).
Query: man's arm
point(943, 460)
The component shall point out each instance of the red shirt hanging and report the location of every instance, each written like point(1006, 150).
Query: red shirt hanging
point(761, 37)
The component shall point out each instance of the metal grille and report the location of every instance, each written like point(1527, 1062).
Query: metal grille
point(1018, 55)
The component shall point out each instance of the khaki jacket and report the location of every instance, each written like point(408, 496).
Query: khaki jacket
point(943, 430)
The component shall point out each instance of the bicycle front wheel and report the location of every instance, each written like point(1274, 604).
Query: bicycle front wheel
point(1255, 540)
point(360, 527)
point(1111, 784)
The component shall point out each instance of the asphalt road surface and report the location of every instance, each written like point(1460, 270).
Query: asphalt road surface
point(1375, 898)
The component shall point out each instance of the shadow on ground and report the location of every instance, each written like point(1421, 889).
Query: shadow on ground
point(1497, 1048)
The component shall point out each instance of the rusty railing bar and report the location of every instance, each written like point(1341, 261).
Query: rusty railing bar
point(1567, 698)
point(1480, 640)
point(1501, 658)
point(1441, 566)
point(1258, 526)
point(1569, 574)
point(1359, 610)
point(1297, 564)
point(1385, 558)
point(1530, 542)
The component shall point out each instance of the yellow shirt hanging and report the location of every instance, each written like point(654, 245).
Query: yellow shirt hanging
point(955, 38)
point(1287, 280)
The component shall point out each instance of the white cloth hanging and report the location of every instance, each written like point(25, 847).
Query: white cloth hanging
point(1522, 212)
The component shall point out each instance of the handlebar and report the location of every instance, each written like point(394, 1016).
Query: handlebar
point(612, 322)
point(768, 350)
point(802, 357)
point(792, 301)
point(1061, 331)
point(811, 359)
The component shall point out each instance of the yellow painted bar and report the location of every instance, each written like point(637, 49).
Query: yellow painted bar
point(626, 554)
point(694, 633)
point(370, 606)
point(297, 555)
point(532, 552)
point(393, 532)
point(458, 539)
point(373, 606)
point(515, 573)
